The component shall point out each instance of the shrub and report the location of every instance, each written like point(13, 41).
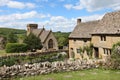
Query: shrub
point(8, 62)
point(115, 56)
point(16, 47)
point(12, 38)
point(88, 49)
point(33, 42)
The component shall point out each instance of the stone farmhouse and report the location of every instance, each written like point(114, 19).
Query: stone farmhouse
point(101, 33)
point(47, 38)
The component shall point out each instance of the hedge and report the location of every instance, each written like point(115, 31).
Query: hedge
point(16, 47)
point(31, 58)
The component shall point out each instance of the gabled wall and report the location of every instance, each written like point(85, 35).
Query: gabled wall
point(55, 43)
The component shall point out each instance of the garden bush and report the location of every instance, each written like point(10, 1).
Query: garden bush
point(31, 58)
point(115, 56)
point(16, 47)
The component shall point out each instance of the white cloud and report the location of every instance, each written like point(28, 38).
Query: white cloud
point(56, 23)
point(3, 2)
point(60, 23)
point(68, 6)
point(93, 5)
point(20, 5)
point(41, 0)
point(22, 16)
point(16, 4)
point(91, 18)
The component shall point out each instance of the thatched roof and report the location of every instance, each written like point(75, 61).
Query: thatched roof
point(109, 24)
point(84, 30)
point(41, 33)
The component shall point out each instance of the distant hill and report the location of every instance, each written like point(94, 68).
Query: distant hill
point(62, 37)
point(6, 31)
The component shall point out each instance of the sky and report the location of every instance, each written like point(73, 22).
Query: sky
point(55, 15)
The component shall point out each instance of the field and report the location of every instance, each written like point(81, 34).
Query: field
point(95, 74)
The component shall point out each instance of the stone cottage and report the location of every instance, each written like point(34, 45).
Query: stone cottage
point(101, 33)
point(47, 38)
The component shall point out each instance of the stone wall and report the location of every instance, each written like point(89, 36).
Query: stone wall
point(55, 43)
point(76, 44)
point(45, 68)
point(32, 57)
point(110, 40)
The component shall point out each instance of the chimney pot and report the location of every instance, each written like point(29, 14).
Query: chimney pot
point(78, 21)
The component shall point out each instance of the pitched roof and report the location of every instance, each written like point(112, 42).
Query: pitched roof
point(44, 35)
point(83, 30)
point(41, 33)
point(109, 24)
point(36, 32)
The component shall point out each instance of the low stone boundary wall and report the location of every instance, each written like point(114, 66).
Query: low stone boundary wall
point(31, 53)
point(31, 57)
point(45, 68)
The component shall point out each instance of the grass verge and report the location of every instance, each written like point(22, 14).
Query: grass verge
point(94, 74)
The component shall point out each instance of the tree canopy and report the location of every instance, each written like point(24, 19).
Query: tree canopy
point(12, 38)
point(115, 56)
point(33, 42)
point(62, 38)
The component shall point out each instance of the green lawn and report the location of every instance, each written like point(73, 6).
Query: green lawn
point(2, 52)
point(96, 74)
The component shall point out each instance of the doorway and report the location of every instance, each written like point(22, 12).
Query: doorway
point(96, 52)
point(50, 44)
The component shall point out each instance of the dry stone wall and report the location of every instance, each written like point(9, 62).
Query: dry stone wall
point(45, 68)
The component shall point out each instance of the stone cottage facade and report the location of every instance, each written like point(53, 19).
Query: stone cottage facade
point(101, 33)
point(47, 38)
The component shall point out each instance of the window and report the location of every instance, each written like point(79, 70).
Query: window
point(50, 43)
point(103, 38)
point(85, 41)
point(104, 50)
point(110, 51)
point(78, 50)
point(107, 51)
point(74, 40)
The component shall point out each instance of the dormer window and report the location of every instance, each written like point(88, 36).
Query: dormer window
point(103, 38)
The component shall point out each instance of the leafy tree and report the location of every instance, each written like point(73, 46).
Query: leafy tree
point(61, 41)
point(3, 42)
point(11, 38)
point(115, 56)
point(62, 38)
point(33, 42)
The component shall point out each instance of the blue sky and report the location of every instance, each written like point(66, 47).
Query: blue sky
point(58, 15)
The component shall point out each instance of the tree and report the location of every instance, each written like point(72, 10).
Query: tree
point(2, 42)
point(11, 38)
point(61, 42)
point(33, 42)
point(115, 56)
point(62, 38)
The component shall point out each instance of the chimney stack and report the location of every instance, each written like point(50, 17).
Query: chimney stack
point(78, 21)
